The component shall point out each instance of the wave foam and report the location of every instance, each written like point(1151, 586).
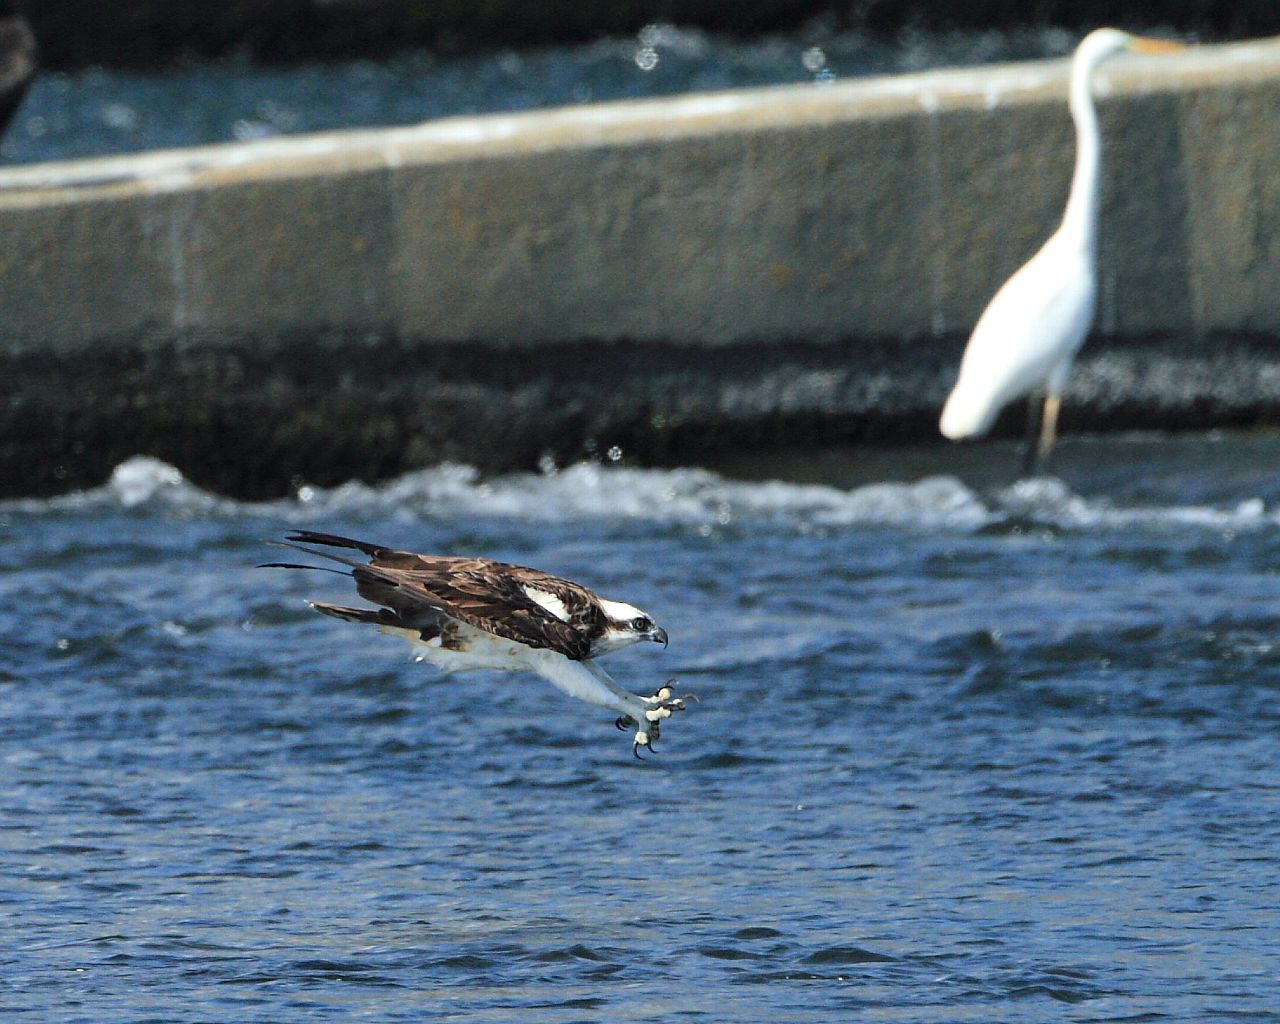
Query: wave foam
point(675, 496)
point(141, 482)
point(680, 496)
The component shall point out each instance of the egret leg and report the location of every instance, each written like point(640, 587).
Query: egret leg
point(1031, 445)
point(1049, 427)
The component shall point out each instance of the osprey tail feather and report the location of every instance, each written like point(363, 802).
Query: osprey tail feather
point(334, 541)
point(377, 616)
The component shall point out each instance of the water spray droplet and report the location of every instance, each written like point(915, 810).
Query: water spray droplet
point(813, 59)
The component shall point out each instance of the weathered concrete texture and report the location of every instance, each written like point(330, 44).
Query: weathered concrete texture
point(734, 268)
point(887, 207)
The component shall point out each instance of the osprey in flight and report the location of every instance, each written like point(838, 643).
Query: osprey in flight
point(469, 613)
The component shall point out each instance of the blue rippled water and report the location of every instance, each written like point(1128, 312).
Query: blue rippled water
point(102, 111)
point(964, 752)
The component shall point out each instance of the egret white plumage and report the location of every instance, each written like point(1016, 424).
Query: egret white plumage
point(1028, 335)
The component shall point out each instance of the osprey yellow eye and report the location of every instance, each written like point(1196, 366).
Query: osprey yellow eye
point(641, 624)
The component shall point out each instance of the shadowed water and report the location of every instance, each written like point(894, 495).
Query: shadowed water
point(964, 752)
point(105, 111)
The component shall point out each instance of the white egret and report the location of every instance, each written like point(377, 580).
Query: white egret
point(1027, 336)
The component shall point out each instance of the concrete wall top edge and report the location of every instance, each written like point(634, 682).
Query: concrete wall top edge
point(623, 123)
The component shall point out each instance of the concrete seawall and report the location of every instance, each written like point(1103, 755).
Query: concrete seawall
point(798, 263)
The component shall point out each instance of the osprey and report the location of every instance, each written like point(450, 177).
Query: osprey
point(473, 613)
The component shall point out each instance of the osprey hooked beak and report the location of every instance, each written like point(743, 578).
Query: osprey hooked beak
point(658, 635)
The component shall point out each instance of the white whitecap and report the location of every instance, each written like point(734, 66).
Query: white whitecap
point(695, 497)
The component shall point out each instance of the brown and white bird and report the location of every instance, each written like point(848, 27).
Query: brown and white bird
point(473, 613)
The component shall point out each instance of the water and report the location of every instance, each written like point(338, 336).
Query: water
point(965, 752)
point(103, 111)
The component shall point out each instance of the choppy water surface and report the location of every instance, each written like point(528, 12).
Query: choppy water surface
point(965, 752)
point(101, 111)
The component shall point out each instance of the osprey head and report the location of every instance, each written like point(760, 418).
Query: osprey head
point(624, 626)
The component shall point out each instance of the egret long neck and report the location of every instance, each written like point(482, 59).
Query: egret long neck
point(1080, 222)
